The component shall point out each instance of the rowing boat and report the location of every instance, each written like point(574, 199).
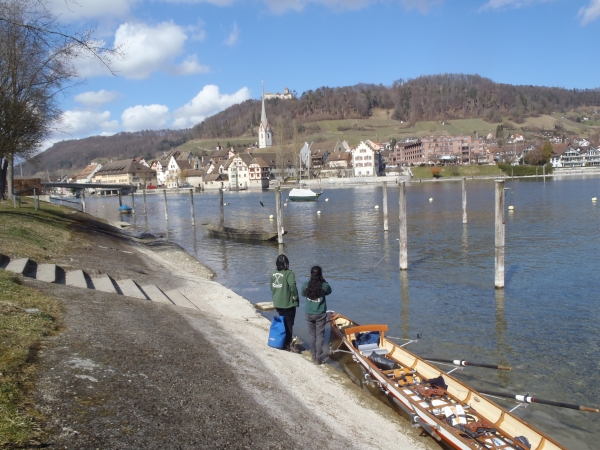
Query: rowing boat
point(238, 233)
point(447, 409)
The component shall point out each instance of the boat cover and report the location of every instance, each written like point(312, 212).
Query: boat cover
point(302, 193)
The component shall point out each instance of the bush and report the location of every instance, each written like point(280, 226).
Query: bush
point(436, 172)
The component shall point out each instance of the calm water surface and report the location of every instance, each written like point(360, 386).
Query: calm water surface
point(544, 323)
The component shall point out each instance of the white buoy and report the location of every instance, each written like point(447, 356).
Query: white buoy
point(318, 212)
point(594, 199)
point(271, 217)
point(326, 199)
point(430, 200)
point(285, 204)
point(511, 208)
point(376, 206)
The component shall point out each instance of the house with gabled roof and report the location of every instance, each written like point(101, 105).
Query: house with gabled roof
point(259, 173)
point(87, 174)
point(126, 171)
point(238, 171)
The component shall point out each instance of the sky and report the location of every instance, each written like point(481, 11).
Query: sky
point(185, 60)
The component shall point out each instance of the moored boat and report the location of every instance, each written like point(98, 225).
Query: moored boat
point(125, 209)
point(444, 407)
point(238, 233)
point(303, 195)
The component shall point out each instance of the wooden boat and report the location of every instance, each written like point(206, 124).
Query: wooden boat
point(446, 408)
point(303, 195)
point(237, 233)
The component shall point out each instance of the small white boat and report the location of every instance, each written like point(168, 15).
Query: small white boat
point(303, 195)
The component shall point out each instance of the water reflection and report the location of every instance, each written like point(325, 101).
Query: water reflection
point(501, 345)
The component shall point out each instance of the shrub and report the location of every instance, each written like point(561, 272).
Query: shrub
point(436, 172)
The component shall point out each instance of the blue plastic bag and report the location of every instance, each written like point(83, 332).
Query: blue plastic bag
point(277, 333)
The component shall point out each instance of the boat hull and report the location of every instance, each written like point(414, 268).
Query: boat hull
point(237, 233)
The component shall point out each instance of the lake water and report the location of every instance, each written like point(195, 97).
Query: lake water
point(544, 324)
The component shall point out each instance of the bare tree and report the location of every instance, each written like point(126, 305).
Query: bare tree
point(37, 58)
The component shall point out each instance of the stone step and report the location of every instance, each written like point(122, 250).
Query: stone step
point(18, 265)
point(77, 278)
point(200, 303)
point(265, 306)
point(46, 272)
point(179, 299)
point(156, 295)
point(104, 283)
point(129, 288)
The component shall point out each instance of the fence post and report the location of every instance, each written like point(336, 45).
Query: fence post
point(83, 200)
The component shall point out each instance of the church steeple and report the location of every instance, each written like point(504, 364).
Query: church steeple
point(265, 136)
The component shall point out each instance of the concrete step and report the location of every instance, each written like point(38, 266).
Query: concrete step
point(156, 295)
point(104, 283)
point(77, 278)
point(18, 265)
point(200, 303)
point(46, 272)
point(129, 288)
point(179, 299)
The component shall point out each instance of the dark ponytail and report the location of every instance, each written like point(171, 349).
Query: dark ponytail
point(314, 289)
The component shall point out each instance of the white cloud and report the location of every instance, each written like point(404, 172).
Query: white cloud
point(233, 36)
point(88, 9)
point(590, 13)
point(189, 66)
point(93, 99)
point(498, 4)
point(80, 123)
point(209, 101)
point(147, 49)
point(145, 117)
point(280, 6)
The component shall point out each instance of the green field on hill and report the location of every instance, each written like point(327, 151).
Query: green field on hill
point(380, 128)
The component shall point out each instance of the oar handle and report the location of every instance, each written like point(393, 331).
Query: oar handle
point(529, 399)
point(462, 362)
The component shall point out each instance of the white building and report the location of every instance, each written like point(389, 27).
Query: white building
point(287, 95)
point(363, 161)
point(265, 135)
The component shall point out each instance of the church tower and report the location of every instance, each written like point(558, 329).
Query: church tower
point(265, 135)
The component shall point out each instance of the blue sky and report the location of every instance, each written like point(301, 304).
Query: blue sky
point(188, 59)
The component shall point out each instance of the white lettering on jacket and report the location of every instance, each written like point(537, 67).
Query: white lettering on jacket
point(277, 281)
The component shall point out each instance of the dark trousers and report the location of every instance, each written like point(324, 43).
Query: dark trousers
point(316, 332)
point(289, 315)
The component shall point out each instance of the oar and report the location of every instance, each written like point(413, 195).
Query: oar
point(528, 399)
point(462, 362)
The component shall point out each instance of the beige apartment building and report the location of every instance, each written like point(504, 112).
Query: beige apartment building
point(127, 171)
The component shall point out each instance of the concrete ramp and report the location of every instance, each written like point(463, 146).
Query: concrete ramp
point(179, 299)
point(47, 273)
point(129, 288)
point(18, 265)
point(156, 295)
point(76, 278)
point(104, 283)
point(197, 300)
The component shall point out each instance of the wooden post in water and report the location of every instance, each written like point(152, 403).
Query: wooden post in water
point(36, 203)
point(544, 172)
point(402, 234)
point(166, 208)
point(464, 199)
point(222, 213)
point(499, 278)
point(192, 207)
point(132, 202)
point(83, 200)
point(385, 209)
point(144, 194)
point(120, 197)
point(279, 218)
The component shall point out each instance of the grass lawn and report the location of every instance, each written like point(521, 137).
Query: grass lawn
point(457, 171)
point(41, 235)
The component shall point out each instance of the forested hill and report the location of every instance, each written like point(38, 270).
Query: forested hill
point(76, 154)
point(436, 97)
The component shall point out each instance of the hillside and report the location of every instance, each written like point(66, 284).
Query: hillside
point(438, 104)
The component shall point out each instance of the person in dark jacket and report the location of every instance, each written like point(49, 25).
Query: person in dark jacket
point(315, 291)
point(285, 297)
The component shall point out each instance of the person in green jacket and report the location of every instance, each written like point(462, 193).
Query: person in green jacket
point(315, 291)
point(285, 297)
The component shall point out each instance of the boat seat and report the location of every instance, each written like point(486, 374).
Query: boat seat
point(367, 349)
